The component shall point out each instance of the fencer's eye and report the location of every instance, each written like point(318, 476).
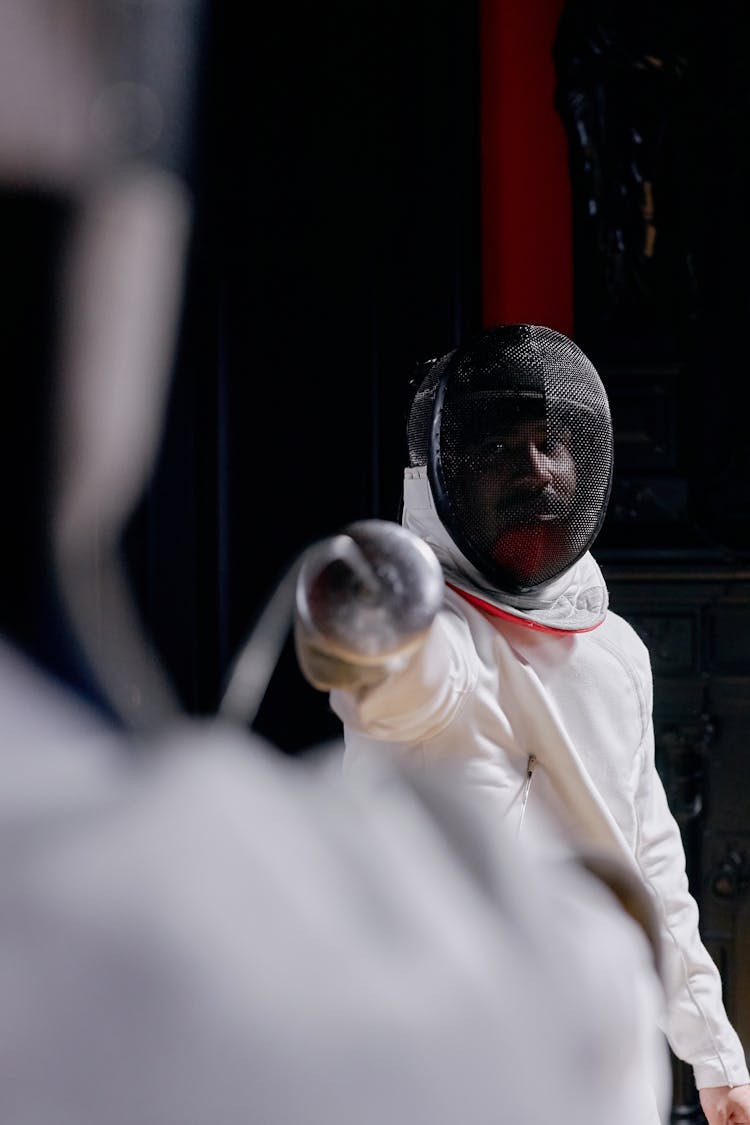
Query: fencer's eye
point(489, 449)
point(552, 447)
point(558, 444)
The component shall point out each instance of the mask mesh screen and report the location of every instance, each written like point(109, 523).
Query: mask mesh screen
point(516, 433)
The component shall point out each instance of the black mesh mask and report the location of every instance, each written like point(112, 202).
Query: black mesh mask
point(515, 431)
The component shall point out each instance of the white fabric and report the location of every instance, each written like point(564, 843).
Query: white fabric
point(202, 930)
point(488, 693)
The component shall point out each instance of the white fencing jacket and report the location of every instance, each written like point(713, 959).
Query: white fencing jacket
point(548, 708)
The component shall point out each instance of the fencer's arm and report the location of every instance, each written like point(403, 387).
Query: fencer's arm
point(364, 602)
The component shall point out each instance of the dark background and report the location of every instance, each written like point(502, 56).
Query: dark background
point(338, 241)
point(336, 246)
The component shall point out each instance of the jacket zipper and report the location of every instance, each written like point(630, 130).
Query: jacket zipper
point(527, 786)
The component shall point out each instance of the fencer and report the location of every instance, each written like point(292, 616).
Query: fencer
point(523, 674)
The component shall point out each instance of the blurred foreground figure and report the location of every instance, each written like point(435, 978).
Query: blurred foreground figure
point(478, 633)
point(194, 928)
point(216, 934)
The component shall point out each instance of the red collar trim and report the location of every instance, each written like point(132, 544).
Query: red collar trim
point(495, 611)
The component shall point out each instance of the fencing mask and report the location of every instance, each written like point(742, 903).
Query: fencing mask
point(515, 431)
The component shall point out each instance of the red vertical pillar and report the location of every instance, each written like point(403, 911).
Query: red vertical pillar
point(527, 270)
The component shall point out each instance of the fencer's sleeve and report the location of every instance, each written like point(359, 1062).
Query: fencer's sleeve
point(697, 1026)
point(418, 701)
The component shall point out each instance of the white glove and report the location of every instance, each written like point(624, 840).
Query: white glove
point(365, 600)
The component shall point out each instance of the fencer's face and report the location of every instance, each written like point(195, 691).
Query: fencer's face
point(522, 474)
point(519, 484)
